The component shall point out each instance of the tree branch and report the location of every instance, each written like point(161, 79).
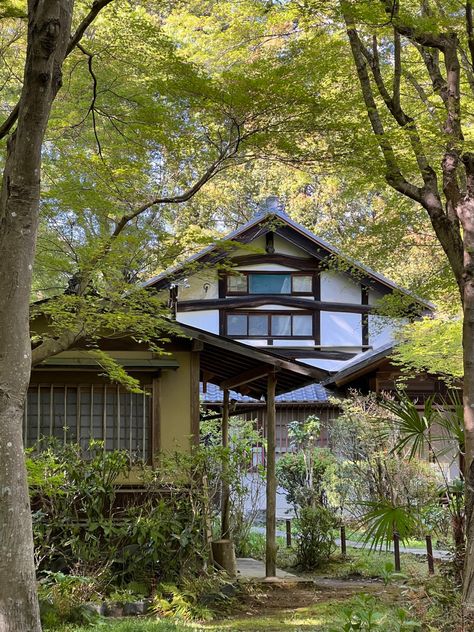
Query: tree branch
point(97, 6)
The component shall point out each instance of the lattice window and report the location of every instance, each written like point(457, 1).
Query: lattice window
point(78, 413)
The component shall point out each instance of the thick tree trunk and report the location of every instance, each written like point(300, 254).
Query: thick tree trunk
point(48, 36)
point(465, 212)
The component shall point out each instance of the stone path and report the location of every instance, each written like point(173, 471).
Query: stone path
point(250, 569)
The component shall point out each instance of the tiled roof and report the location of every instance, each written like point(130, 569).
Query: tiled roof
point(312, 393)
point(362, 361)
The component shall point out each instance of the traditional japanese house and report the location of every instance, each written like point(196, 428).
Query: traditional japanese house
point(274, 285)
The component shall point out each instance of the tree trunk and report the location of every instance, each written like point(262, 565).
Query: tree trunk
point(49, 27)
point(465, 212)
point(468, 397)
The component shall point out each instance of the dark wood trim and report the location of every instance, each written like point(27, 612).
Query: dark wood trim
point(247, 376)
point(298, 263)
point(270, 242)
point(317, 287)
point(320, 253)
point(271, 491)
point(156, 421)
point(194, 386)
point(309, 352)
point(317, 327)
point(269, 333)
point(256, 300)
point(365, 317)
point(221, 285)
point(247, 273)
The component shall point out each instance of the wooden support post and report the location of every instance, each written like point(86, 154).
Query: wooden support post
point(396, 551)
point(270, 554)
point(343, 540)
point(288, 533)
point(225, 506)
point(429, 553)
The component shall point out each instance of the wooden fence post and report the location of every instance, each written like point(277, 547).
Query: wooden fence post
point(343, 540)
point(396, 551)
point(429, 552)
point(288, 533)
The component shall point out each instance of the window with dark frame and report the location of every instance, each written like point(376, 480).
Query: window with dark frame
point(269, 324)
point(79, 413)
point(270, 283)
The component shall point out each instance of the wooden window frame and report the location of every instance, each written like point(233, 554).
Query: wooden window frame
point(269, 334)
point(91, 386)
point(314, 284)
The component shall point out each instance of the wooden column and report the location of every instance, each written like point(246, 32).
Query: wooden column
point(270, 554)
point(195, 362)
point(155, 421)
point(225, 507)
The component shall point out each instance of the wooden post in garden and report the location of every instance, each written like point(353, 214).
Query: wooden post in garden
point(343, 540)
point(270, 549)
point(396, 551)
point(288, 533)
point(429, 553)
point(225, 506)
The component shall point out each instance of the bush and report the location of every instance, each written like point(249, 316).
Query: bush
point(292, 476)
point(80, 528)
point(315, 540)
point(194, 599)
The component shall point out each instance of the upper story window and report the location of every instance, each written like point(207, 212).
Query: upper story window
point(269, 324)
point(270, 283)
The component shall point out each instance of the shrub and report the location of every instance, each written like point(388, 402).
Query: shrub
point(80, 527)
point(292, 477)
point(315, 539)
point(194, 599)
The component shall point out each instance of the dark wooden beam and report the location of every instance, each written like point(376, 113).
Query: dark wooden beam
point(194, 395)
point(156, 422)
point(365, 317)
point(309, 352)
point(271, 547)
point(256, 300)
point(298, 263)
point(247, 376)
point(225, 505)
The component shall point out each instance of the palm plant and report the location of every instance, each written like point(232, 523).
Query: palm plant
point(434, 429)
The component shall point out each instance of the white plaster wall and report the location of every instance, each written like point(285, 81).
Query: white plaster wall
point(328, 365)
point(339, 288)
point(284, 247)
point(193, 288)
point(254, 342)
point(381, 329)
point(274, 307)
point(341, 329)
point(293, 343)
point(266, 267)
point(374, 297)
point(207, 319)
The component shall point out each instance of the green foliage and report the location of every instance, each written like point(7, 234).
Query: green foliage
point(315, 536)
point(63, 597)
point(292, 475)
point(433, 345)
point(377, 483)
point(363, 614)
point(78, 525)
point(233, 465)
point(381, 519)
point(195, 599)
